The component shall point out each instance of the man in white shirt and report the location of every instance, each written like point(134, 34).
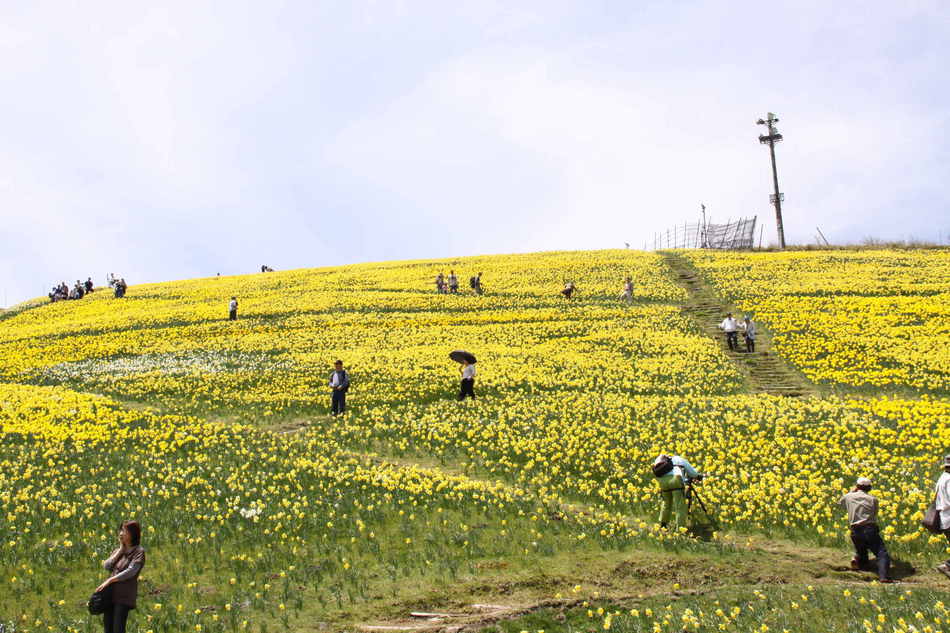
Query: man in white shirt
point(232, 309)
point(731, 327)
point(943, 507)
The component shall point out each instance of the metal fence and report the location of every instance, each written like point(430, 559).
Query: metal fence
point(733, 235)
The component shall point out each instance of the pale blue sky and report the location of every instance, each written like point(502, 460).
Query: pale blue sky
point(188, 138)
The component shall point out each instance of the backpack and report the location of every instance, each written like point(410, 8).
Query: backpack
point(473, 282)
point(663, 467)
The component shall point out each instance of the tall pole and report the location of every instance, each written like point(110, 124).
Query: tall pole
point(771, 139)
point(703, 243)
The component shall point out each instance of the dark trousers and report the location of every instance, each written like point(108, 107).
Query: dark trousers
point(232, 315)
point(732, 339)
point(468, 388)
point(113, 619)
point(867, 538)
point(749, 344)
point(338, 401)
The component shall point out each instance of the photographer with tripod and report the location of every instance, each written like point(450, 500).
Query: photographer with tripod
point(671, 474)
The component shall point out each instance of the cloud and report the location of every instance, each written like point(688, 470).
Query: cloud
point(179, 140)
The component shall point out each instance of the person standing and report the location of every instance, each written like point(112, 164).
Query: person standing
point(568, 291)
point(232, 309)
point(468, 381)
point(865, 535)
point(89, 285)
point(627, 294)
point(476, 283)
point(340, 384)
point(440, 284)
point(749, 332)
point(731, 328)
point(943, 508)
point(125, 564)
point(453, 283)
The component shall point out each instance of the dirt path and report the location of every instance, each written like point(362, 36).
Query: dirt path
point(766, 371)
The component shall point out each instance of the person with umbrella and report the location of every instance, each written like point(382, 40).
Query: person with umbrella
point(468, 373)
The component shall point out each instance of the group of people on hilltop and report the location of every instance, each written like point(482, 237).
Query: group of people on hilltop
point(264, 269)
point(80, 289)
point(450, 285)
point(63, 292)
point(117, 284)
point(445, 285)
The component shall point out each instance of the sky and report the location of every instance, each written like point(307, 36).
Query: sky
point(176, 140)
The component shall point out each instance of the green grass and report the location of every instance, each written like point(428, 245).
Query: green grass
point(793, 608)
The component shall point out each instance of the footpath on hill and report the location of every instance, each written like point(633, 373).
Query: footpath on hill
point(764, 369)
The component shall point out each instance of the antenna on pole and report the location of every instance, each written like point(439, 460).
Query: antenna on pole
point(704, 243)
point(776, 198)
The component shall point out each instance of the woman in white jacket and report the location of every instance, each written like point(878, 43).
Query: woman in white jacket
point(943, 507)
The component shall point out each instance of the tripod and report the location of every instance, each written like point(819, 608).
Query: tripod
point(692, 495)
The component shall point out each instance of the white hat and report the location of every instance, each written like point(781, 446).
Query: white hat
point(863, 481)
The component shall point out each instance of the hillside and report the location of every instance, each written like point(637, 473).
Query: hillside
point(532, 507)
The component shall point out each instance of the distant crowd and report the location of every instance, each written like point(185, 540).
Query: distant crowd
point(80, 289)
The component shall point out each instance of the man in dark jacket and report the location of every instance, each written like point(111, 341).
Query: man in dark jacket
point(340, 384)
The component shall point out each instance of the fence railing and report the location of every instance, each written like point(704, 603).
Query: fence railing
point(733, 235)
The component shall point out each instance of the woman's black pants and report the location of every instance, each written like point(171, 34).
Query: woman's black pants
point(113, 619)
point(468, 388)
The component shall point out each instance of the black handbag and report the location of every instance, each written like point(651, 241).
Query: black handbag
point(100, 601)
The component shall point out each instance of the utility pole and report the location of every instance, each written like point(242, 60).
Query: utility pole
point(771, 139)
point(703, 243)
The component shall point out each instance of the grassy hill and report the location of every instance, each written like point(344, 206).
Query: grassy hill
point(529, 508)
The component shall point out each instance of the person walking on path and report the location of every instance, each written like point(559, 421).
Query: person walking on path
point(468, 381)
point(943, 508)
point(453, 283)
point(748, 331)
point(340, 384)
point(865, 534)
point(731, 328)
point(627, 294)
point(672, 472)
point(232, 309)
point(125, 564)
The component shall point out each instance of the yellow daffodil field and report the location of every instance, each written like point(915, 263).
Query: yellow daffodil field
point(261, 512)
point(871, 319)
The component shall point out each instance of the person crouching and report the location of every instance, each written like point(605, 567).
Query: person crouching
point(671, 474)
point(865, 534)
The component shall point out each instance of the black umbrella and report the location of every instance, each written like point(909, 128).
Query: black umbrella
point(458, 356)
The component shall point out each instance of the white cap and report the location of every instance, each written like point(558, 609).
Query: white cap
point(864, 481)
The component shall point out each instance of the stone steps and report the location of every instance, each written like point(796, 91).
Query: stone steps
point(766, 371)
